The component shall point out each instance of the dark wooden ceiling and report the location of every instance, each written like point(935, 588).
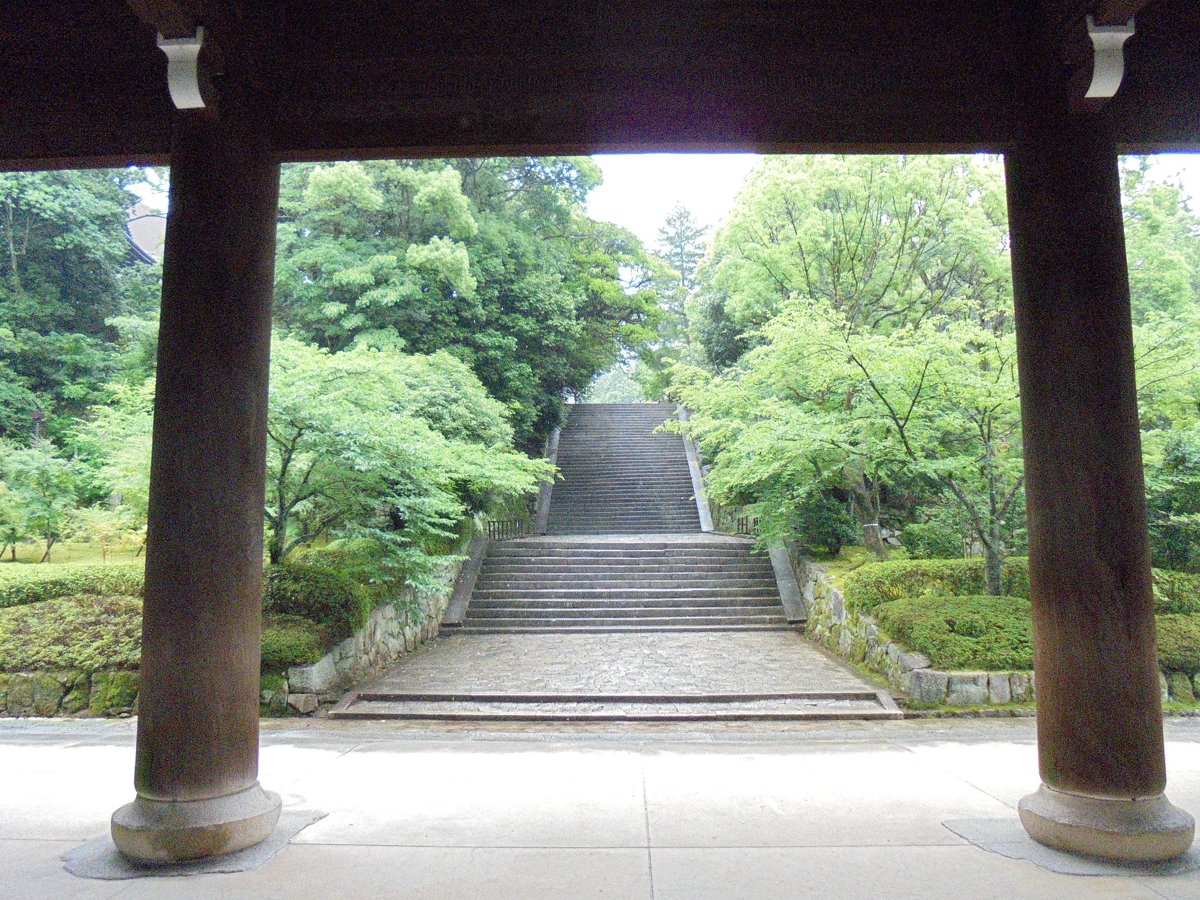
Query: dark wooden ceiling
point(82, 82)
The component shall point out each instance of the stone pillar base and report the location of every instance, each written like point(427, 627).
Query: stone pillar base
point(166, 831)
point(1148, 829)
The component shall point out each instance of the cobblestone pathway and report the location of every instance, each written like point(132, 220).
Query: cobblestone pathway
point(659, 663)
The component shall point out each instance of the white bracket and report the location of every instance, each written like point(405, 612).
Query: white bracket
point(183, 69)
point(1108, 61)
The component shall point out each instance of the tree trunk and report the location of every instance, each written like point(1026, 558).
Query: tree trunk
point(994, 567)
point(872, 539)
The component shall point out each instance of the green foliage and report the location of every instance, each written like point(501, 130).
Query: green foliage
point(323, 595)
point(22, 584)
point(292, 641)
point(85, 633)
point(872, 585)
point(61, 276)
point(1178, 643)
point(963, 632)
point(614, 386)
point(931, 540)
point(492, 260)
point(90, 633)
point(1176, 592)
point(821, 523)
point(869, 308)
point(45, 487)
point(359, 443)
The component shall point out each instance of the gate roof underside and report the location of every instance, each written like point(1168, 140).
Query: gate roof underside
point(82, 82)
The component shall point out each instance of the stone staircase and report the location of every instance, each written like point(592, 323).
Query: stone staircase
point(603, 585)
point(625, 611)
point(619, 476)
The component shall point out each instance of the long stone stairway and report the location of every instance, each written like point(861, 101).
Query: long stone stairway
point(624, 611)
point(620, 475)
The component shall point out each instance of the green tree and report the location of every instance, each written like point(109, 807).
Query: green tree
point(63, 255)
point(46, 486)
point(491, 260)
point(884, 241)
point(822, 401)
point(13, 524)
point(368, 441)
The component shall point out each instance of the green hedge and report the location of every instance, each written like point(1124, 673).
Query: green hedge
point(1178, 643)
point(86, 633)
point(326, 596)
point(293, 641)
point(83, 633)
point(972, 632)
point(21, 584)
point(886, 582)
point(876, 583)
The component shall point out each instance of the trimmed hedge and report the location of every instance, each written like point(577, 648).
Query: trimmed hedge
point(292, 641)
point(877, 583)
point(86, 633)
point(887, 582)
point(1179, 643)
point(21, 584)
point(972, 632)
point(82, 633)
point(322, 595)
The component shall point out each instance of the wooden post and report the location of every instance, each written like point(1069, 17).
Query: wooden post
point(1100, 738)
point(197, 745)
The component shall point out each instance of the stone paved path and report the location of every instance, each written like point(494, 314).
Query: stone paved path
point(660, 663)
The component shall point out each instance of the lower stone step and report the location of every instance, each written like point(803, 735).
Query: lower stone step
point(595, 627)
point(496, 707)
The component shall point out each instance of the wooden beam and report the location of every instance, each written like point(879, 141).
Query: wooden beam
point(1117, 12)
point(171, 18)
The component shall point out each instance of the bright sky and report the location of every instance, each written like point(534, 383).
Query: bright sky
point(641, 189)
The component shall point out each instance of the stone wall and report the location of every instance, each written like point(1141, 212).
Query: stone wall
point(69, 694)
point(390, 632)
point(857, 638)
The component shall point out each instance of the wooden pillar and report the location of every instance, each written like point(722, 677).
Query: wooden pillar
point(197, 744)
point(1100, 738)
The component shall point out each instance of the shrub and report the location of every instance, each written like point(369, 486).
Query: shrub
point(931, 540)
point(877, 583)
point(972, 632)
point(24, 584)
point(292, 641)
point(363, 560)
point(323, 595)
point(82, 633)
point(822, 523)
point(1179, 643)
point(1176, 592)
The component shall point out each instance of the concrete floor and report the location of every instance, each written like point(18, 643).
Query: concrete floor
point(823, 810)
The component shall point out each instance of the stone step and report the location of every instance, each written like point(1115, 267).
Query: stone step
point(497, 707)
point(649, 622)
point(624, 627)
point(490, 582)
point(541, 613)
point(492, 576)
point(672, 604)
point(605, 592)
point(649, 528)
point(606, 552)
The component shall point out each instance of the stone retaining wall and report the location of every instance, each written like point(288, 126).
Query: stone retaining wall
point(390, 632)
point(69, 694)
point(856, 637)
